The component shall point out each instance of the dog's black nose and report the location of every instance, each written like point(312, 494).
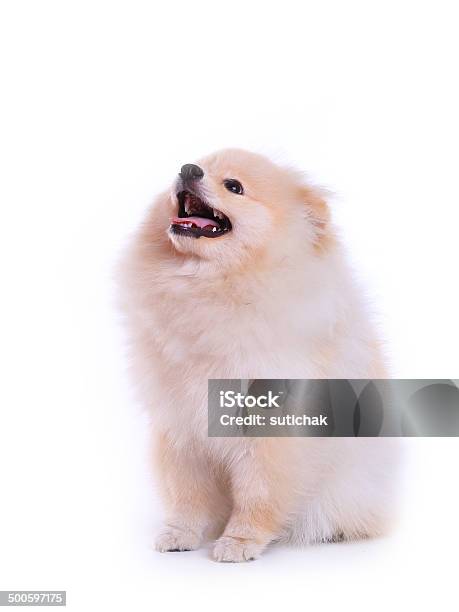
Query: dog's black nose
point(191, 172)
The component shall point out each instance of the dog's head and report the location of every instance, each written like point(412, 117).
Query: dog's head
point(234, 204)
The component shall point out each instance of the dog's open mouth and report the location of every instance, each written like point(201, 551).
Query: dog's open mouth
point(198, 218)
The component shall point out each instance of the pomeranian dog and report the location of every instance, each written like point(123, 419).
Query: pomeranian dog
point(237, 273)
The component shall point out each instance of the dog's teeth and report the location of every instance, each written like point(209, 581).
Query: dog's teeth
point(214, 229)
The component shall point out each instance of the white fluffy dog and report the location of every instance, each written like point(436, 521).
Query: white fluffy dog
point(237, 273)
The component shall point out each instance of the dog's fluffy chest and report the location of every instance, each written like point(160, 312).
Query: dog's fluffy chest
point(245, 335)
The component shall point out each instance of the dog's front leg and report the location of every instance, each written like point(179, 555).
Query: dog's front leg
point(192, 500)
point(262, 495)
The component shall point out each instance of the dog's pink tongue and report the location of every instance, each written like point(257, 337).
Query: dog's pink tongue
point(198, 221)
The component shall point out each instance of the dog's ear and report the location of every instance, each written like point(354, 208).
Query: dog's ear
point(318, 213)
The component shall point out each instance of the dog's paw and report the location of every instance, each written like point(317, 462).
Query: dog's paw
point(177, 540)
point(234, 550)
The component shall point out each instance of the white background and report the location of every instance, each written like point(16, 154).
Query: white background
point(100, 105)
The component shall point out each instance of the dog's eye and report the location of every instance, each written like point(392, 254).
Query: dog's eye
point(234, 186)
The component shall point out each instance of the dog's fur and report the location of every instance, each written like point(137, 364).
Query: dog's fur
point(273, 298)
